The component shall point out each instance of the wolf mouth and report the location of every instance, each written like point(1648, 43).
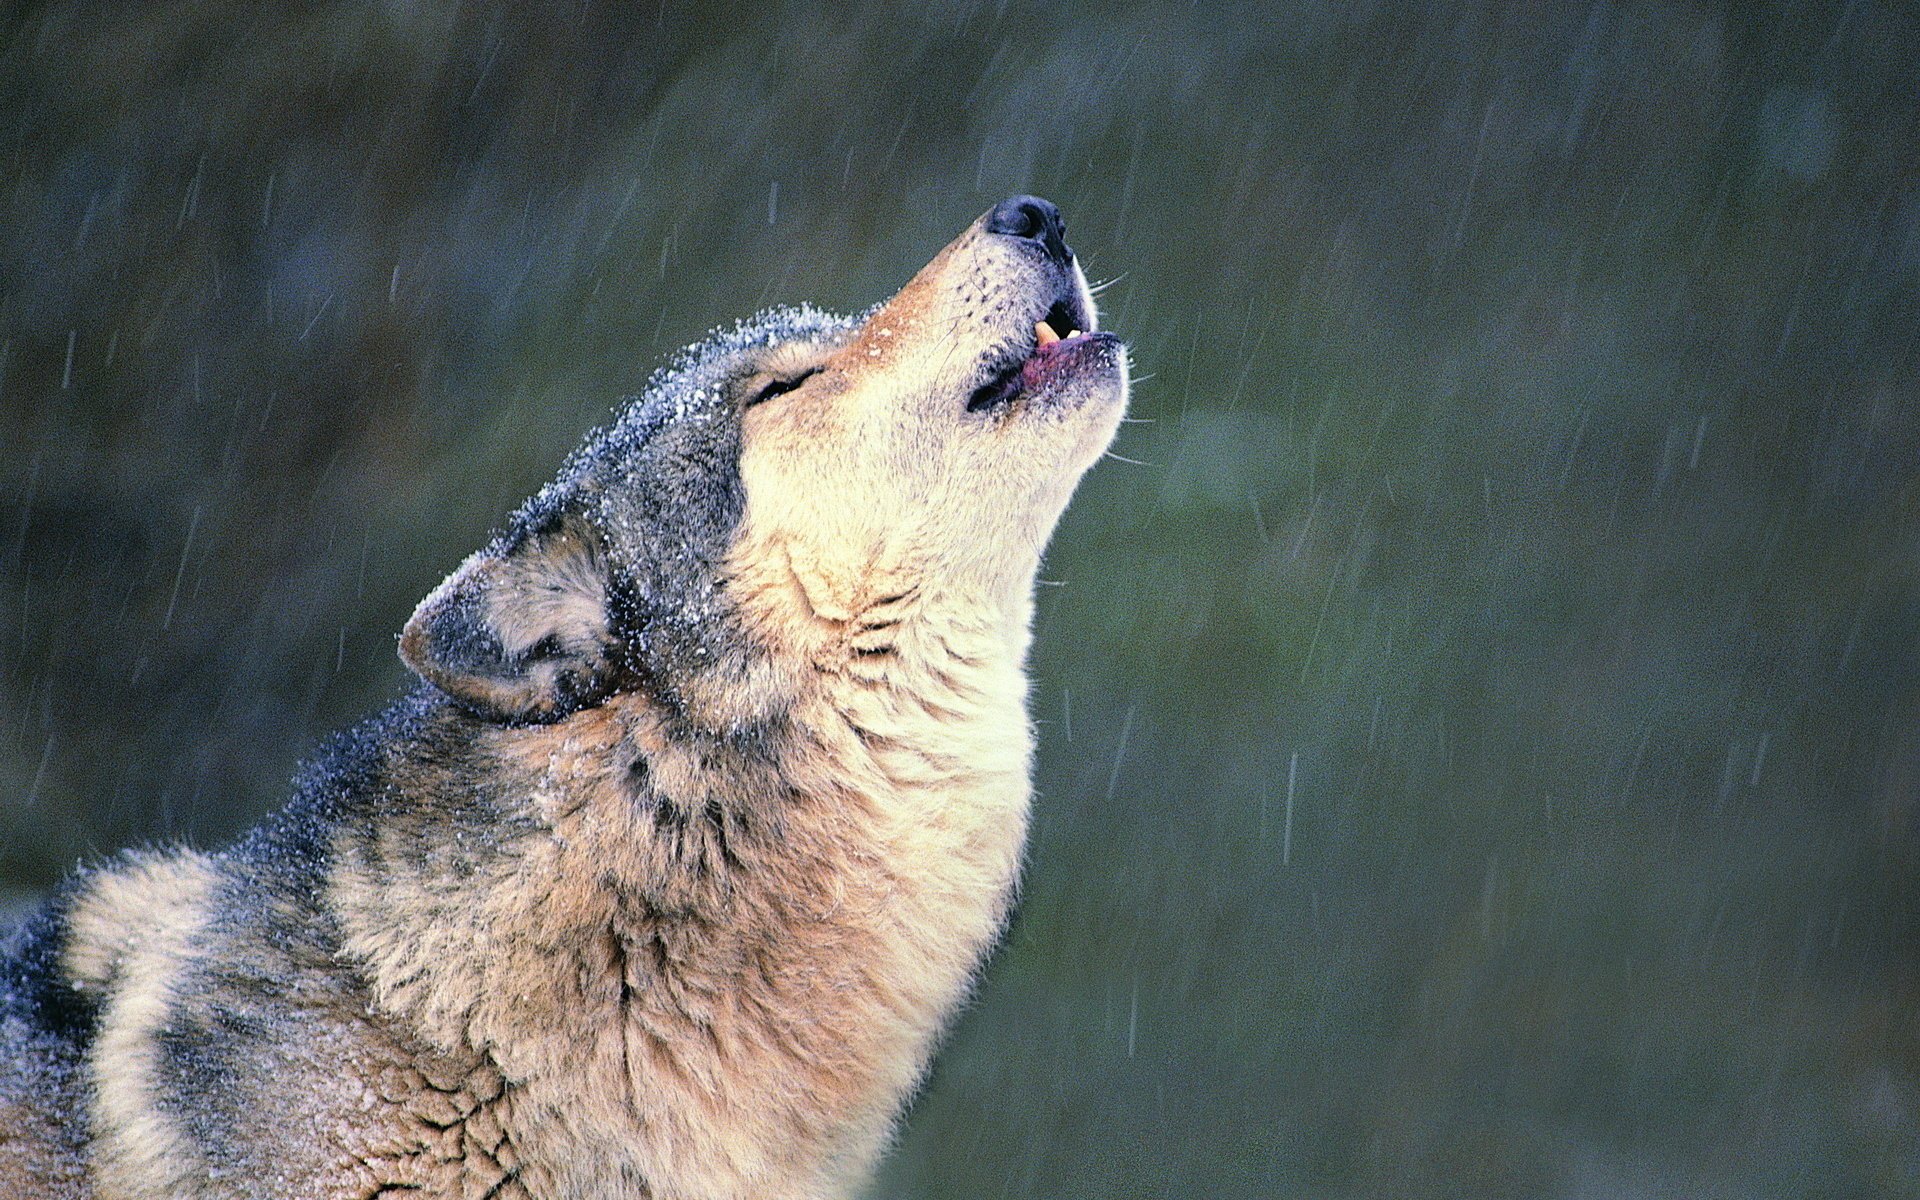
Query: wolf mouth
point(1059, 338)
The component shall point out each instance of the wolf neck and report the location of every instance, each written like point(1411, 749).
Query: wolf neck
point(768, 927)
point(914, 689)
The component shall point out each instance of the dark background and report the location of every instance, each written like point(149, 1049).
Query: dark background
point(1480, 740)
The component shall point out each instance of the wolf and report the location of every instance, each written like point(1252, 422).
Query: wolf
point(707, 805)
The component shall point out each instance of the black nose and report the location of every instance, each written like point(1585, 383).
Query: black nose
point(1032, 218)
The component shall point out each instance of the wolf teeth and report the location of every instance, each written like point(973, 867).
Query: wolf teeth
point(1045, 334)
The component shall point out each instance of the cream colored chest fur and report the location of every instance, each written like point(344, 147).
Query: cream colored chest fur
point(733, 999)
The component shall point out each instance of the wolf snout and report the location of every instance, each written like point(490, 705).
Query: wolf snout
point(1035, 220)
point(1038, 223)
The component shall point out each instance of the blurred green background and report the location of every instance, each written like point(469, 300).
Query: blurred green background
point(1480, 738)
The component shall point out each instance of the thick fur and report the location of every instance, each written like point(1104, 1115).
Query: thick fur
point(666, 879)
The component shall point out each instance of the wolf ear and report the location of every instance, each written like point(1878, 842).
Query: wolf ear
point(519, 633)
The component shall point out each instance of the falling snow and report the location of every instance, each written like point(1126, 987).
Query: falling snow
point(1492, 761)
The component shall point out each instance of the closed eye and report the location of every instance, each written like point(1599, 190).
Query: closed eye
point(779, 387)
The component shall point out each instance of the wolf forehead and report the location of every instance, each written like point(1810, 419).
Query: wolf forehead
point(660, 485)
point(672, 453)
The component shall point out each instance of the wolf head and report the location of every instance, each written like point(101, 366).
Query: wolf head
point(919, 455)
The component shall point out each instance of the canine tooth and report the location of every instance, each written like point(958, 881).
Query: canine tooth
point(1074, 334)
point(1044, 332)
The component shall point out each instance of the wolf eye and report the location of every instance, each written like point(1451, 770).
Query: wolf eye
point(779, 387)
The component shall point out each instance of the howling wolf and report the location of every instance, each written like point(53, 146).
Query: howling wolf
point(666, 877)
